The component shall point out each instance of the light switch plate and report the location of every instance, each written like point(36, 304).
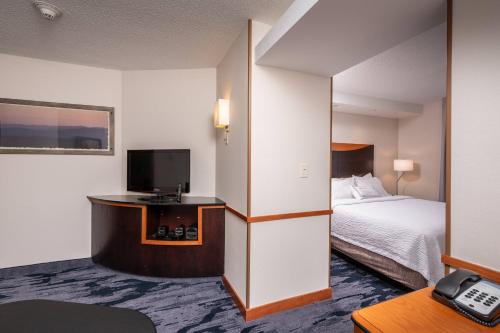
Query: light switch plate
point(303, 170)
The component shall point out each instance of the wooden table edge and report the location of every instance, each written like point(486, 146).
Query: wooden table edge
point(363, 325)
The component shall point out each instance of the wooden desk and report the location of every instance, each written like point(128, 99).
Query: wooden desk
point(414, 312)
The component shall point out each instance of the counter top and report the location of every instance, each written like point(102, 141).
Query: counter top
point(135, 200)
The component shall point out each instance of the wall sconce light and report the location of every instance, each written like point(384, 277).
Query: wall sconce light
point(221, 117)
point(402, 166)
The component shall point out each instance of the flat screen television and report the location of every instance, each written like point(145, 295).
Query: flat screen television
point(158, 171)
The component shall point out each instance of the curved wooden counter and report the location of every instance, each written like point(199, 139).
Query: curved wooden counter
point(122, 229)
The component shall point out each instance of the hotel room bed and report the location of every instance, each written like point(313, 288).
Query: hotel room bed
point(399, 236)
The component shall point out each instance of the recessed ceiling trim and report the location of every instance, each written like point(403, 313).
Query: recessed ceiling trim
point(334, 35)
point(293, 14)
point(371, 106)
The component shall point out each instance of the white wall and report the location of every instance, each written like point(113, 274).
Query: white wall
point(43, 197)
point(475, 132)
point(168, 109)
point(44, 212)
point(231, 160)
point(420, 139)
point(290, 125)
point(288, 258)
point(381, 132)
point(232, 84)
point(235, 256)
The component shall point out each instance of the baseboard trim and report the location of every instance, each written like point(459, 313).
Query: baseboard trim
point(48, 267)
point(250, 314)
point(288, 304)
point(236, 299)
point(459, 263)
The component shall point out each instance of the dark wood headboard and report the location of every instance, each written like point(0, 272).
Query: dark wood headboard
point(350, 159)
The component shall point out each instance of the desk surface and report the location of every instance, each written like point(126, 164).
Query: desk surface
point(134, 200)
point(415, 312)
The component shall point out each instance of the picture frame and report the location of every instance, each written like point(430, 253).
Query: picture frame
point(36, 127)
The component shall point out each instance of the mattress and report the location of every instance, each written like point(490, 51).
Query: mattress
point(407, 230)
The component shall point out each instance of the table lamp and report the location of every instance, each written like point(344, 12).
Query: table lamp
point(402, 166)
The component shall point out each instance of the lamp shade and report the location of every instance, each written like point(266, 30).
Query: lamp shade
point(221, 113)
point(403, 165)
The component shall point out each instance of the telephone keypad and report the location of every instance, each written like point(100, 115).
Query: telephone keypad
point(483, 297)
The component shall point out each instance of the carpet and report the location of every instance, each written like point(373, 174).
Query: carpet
point(201, 304)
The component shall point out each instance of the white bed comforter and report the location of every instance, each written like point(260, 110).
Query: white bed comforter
point(407, 230)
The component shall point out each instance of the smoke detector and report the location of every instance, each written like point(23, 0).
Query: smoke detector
point(48, 11)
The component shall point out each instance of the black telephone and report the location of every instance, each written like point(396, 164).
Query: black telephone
point(470, 295)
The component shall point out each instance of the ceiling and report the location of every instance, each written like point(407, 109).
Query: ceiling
point(132, 35)
point(326, 37)
point(413, 71)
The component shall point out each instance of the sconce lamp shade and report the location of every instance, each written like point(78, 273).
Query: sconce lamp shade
point(403, 165)
point(221, 113)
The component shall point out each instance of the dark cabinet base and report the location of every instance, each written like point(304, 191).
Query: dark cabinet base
point(118, 242)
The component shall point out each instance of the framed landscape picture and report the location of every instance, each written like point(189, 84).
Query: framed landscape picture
point(33, 127)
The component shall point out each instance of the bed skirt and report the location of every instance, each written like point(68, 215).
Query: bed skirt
point(379, 263)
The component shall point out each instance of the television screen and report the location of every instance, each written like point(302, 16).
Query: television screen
point(158, 170)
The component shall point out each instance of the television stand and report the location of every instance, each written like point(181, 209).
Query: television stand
point(125, 235)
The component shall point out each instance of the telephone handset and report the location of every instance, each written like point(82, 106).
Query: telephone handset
point(470, 295)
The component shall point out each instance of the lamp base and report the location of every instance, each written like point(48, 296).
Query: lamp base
point(397, 182)
point(226, 135)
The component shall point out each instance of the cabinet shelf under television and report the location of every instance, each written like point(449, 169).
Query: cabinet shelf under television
point(125, 229)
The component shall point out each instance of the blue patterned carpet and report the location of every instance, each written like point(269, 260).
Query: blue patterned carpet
point(200, 305)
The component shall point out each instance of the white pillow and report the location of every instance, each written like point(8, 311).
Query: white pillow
point(364, 181)
point(363, 192)
point(377, 185)
point(374, 182)
point(341, 188)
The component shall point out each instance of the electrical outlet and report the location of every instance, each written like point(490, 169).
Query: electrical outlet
point(303, 170)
